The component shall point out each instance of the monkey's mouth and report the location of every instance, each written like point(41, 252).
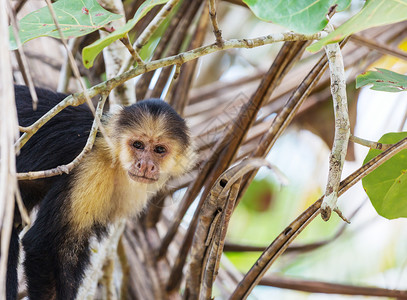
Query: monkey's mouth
point(142, 179)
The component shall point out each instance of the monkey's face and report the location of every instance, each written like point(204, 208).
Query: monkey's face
point(151, 142)
point(148, 156)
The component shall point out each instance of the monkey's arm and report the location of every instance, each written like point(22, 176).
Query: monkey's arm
point(60, 140)
point(56, 253)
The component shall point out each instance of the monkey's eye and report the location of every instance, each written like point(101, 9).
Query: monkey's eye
point(138, 145)
point(160, 149)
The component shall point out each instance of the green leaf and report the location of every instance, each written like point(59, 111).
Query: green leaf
point(387, 185)
point(75, 17)
point(374, 13)
point(383, 80)
point(90, 52)
point(298, 15)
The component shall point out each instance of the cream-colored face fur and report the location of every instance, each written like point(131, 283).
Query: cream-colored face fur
point(171, 163)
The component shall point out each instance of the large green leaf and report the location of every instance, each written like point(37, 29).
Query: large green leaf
point(387, 185)
point(383, 80)
point(374, 13)
point(298, 15)
point(90, 52)
point(75, 17)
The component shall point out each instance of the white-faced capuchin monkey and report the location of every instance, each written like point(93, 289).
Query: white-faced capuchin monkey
point(148, 143)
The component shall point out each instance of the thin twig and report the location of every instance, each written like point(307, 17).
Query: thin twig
point(136, 57)
point(181, 58)
point(23, 129)
point(370, 144)
point(77, 74)
point(68, 167)
point(216, 30)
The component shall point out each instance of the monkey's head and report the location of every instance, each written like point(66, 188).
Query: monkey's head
point(151, 141)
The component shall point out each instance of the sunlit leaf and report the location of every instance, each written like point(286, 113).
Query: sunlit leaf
point(300, 16)
point(90, 52)
point(374, 13)
point(75, 17)
point(387, 185)
point(383, 80)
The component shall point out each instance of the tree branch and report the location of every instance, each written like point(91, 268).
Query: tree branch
point(342, 129)
point(136, 57)
point(108, 85)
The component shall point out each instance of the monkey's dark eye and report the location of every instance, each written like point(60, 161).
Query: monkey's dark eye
point(160, 149)
point(138, 145)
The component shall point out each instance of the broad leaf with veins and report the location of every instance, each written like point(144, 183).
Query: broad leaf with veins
point(297, 15)
point(374, 13)
point(75, 18)
point(383, 80)
point(387, 185)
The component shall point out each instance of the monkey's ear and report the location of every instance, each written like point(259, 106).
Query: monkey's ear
point(115, 109)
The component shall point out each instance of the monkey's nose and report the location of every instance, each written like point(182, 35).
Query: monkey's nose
point(146, 168)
